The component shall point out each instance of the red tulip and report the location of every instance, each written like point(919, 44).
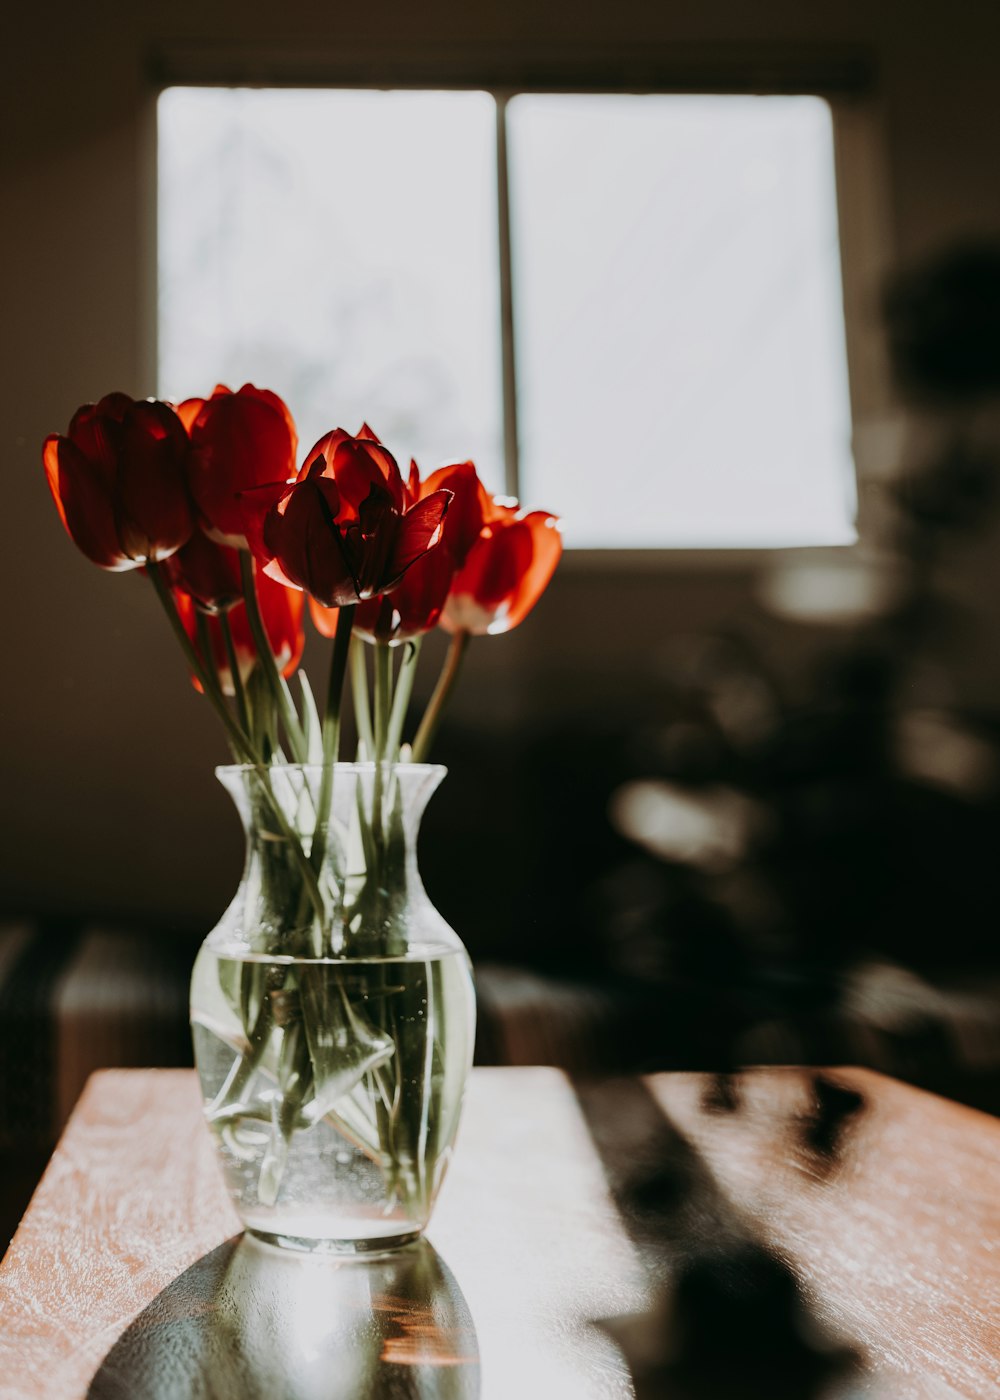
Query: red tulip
point(238, 442)
point(118, 481)
point(410, 610)
point(505, 572)
point(414, 606)
point(281, 609)
point(207, 572)
point(345, 530)
point(468, 511)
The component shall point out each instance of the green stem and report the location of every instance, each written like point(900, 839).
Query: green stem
point(383, 697)
point(275, 680)
point(208, 656)
point(331, 733)
point(335, 686)
point(215, 692)
point(359, 692)
point(295, 845)
point(442, 692)
point(383, 709)
point(234, 670)
point(241, 745)
point(401, 699)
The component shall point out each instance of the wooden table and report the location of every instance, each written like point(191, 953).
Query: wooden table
point(786, 1235)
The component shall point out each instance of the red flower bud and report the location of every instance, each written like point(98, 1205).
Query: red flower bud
point(238, 442)
point(209, 573)
point(505, 573)
point(281, 610)
point(414, 605)
point(410, 610)
point(118, 481)
point(344, 530)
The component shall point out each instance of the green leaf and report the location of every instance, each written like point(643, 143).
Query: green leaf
point(311, 725)
point(343, 1043)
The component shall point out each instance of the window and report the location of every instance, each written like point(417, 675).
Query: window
point(673, 372)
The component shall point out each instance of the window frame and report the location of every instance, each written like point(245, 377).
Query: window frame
point(844, 79)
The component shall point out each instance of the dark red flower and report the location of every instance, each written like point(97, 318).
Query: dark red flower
point(238, 442)
point(345, 530)
point(410, 610)
point(505, 572)
point(207, 572)
point(414, 606)
point(118, 481)
point(488, 572)
point(281, 609)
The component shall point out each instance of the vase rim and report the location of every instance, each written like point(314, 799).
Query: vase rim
point(367, 767)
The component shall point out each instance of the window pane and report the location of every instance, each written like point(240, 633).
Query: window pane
point(681, 366)
point(339, 247)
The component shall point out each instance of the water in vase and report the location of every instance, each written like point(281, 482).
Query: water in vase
point(333, 1087)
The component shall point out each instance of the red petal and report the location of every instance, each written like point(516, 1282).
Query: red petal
point(414, 605)
point(99, 435)
point(114, 406)
point(188, 616)
point(304, 539)
point(358, 464)
point(275, 401)
point(188, 411)
point(324, 619)
point(366, 618)
point(155, 516)
point(239, 441)
point(496, 564)
point(419, 530)
point(255, 506)
point(282, 610)
point(274, 571)
point(467, 512)
point(209, 573)
point(82, 493)
point(547, 551)
point(368, 541)
point(505, 575)
point(376, 513)
point(319, 459)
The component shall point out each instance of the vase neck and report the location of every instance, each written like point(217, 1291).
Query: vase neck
point(331, 866)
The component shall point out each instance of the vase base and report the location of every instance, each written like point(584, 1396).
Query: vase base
point(341, 1249)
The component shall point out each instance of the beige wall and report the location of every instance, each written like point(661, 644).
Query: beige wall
point(106, 752)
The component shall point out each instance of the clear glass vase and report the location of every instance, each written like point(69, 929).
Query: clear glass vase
point(332, 1011)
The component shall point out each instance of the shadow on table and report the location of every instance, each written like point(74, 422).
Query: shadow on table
point(249, 1322)
point(729, 1318)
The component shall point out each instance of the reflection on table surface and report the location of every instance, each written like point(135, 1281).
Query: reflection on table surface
point(249, 1320)
point(786, 1234)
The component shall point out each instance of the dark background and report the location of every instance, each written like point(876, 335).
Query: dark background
point(868, 854)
